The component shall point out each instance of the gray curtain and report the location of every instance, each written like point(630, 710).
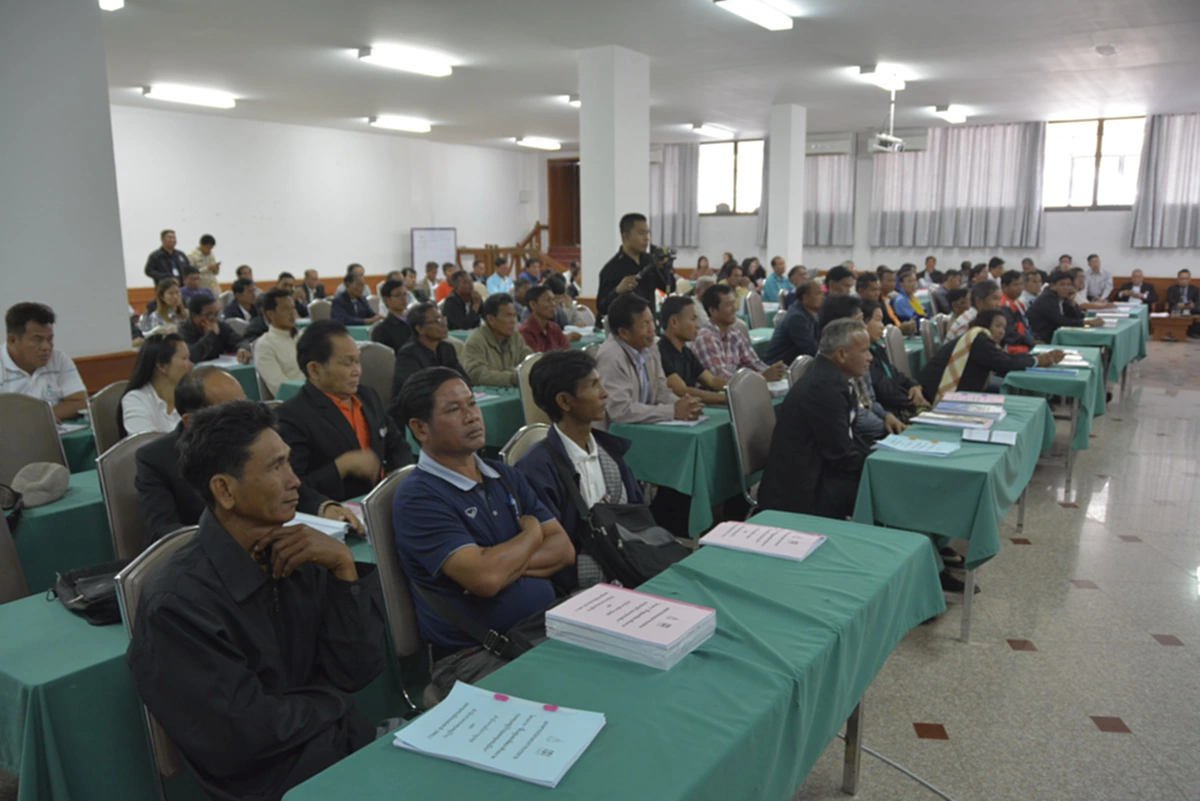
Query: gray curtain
point(829, 200)
point(674, 213)
point(760, 235)
point(1166, 213)
point(974, 186)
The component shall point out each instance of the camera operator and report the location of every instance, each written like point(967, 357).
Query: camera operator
point(632, 269)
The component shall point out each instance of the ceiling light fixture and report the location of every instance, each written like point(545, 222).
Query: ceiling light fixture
point(712, 131)
point(951, 114)
point(540, 142)
point(408, 59)
point(395, 122)
point(192, 95)
point(1106, 50)
point(758, 12)
point(571, 100)
point(882, 77)
point(112, 5)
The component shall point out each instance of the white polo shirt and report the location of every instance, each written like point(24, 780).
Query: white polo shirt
point(57, 380)
point(591, 476)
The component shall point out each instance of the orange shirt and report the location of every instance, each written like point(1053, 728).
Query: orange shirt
point(443, 291)
point(353, 413)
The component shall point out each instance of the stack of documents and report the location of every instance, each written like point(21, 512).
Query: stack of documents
point(991, 437)
point(642, 628)
point(953, 420)
point(684, 423)
point(926, 447)
point(334, 528)
point(67, 428)
point(1075, 360)
point(992, 398)
point(778, 388)
point(768, 540)
point(527, 740)
point(1056, 370)
point(989, 410)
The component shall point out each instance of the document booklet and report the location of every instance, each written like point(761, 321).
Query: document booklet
point(953, 420)
point(901, 443)
point(67, 428)
point(974, 397)
point(684, 423)
point(972, 409)
point(778, 388)
point(991, 437)
point(334, 528)
point(527, 740)
point(1053, 370)
point(781, 542)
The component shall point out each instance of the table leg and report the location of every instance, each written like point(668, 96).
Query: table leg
point(1069, 462)
point(1021, 509)
point(968, 602)
point(1124, 370)
point(852, 766)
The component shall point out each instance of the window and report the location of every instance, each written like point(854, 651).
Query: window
point(1092, 163)
point(730, 179)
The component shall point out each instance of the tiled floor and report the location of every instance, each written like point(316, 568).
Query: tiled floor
point(1082, 678)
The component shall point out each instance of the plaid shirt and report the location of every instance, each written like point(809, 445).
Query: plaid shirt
point(722, 355)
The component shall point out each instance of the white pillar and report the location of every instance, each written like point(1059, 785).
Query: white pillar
point(788, 133)
point(614, 151)
point(864, 171)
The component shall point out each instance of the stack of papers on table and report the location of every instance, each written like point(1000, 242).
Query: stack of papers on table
point(953, 420)
point(769, 540)
point(642, 628)
point(67, 428)
point(527, 740)
point(991, 437)
point(778, 388)
point(334, 528)
point(684, 423)
point(989, 410)
point(974, 397)
point(1068, 371)
point(900, 443)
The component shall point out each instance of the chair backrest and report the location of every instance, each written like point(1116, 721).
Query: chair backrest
point(457, 344)
point(592, 350)
point(264, 392)
point(521, 442)
point(481, 289)
point(103, 410)
point(130, 583)
point(740, 325)
point(586, 317)
point(225, 298)
point(114, 467)
point(320, 310)
point(12, 576)
point(238, 325)
point(929, 337)
point(533, 413)
point(273, 403)
point(782, 298)
point(378, 368)
point(799, 366)
point(683, 286)
point(371, 330)
point(893, 340)
point(943, 326)
point(373, 302)
point(28, 433)
point(755, 310)
point(752, 415)
point(397, 596)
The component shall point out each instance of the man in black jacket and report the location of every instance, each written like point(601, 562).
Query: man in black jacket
point(1138, 289)
point(351, 307)
point(797, 335)
point(342, 441)
point(632, 269)
point(207, 337)
point(241, 305)
point(394, 331)
point(1054, 308)
point(427, 348)
point(816, 457)
point(166, 262)
point(165, 501)
point(461, 307)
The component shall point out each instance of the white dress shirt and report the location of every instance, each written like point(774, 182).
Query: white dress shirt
point(57, 380)
point(587, 463)
point(143, 410)
point(275, 358)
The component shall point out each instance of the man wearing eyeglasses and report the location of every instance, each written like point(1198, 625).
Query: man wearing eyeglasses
point(207, 337)
point(394, 331)
point(427, 348)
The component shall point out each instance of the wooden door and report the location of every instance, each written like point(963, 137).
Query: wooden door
point(563, 193)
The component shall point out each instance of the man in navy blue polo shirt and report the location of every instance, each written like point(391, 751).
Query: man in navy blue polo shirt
point(468, 530)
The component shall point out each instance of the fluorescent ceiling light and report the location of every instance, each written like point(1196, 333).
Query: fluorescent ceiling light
point(112, 5)
point(409, 59)
point(712, 131)
point(571, 100)
point(191, 95)
point(395, 122)
point(882, 77)
point(540, 142)
point(951, 114)
point(759, 13)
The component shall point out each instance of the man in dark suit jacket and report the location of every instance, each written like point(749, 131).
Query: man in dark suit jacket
point(461, 307)
point(242, 306)
point(427, 348)
point(166, 502)
point(310, 288)
point(342, 441)
point(1054, 308)
point(1138, 289)
point(207, 337)
point(351, 307)
point(816, 457)
point(394, 331)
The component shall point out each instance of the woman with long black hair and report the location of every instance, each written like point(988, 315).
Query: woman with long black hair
point(149, 401)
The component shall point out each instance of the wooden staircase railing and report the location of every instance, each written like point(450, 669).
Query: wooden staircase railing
point(517, 256)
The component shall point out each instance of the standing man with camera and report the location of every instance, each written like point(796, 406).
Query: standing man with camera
point(632, 269)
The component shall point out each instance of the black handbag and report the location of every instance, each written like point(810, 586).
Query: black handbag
point(622, 537)
point(91, 592)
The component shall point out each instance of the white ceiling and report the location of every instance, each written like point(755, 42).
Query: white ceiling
point(1004, 60)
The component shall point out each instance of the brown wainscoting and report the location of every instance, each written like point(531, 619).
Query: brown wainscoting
point(589, 302)
point(140, 296)
point(99, 371)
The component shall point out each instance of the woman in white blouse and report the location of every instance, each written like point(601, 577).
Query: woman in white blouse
point(149, 401)
point(168, 307)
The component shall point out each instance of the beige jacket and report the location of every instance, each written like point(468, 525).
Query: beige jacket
point(490, 362)
point(619, 373)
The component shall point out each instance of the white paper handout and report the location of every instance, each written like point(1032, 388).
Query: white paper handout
point(769, 540)
point(684, 423)
point(334, 528)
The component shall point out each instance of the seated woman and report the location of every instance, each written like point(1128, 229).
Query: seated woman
point(168, 307)
point(964, 364)
point(149, 400)
point(896, 392)
point(731, 275)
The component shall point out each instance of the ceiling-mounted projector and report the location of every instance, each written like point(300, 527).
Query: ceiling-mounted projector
point(886, 143)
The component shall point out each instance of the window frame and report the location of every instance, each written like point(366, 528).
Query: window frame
point(733, 206)
point(1096, 175)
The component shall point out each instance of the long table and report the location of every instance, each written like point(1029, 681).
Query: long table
point(744, 716)
point(915, 348)
point(1126, 341)
point(80, 447)
point(1085, 391)
point(68, 533)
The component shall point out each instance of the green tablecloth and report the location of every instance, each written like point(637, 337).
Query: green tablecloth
point(70, 723)
point(1141, 313)
point(964, 495)
point(760, 338)
point(80, 447)
point(361, 333)
point(69, 533)
point(743, 717)
point(915, 348)
point(1087, 386)
point(1127, 341)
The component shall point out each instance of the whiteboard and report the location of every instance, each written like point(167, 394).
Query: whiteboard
point(434, 244)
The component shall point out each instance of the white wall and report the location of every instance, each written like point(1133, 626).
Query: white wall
point(289, 197)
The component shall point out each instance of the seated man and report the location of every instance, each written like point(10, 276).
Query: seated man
point(427, 348)
point(241, 306)
point(816, 456)
point(494, 350)
point(533, 270)
point(960, 301)
point(275, 351)
point(32, 366)
point(685, 374)
point(1055, 308)
point(394, 331)
point(499, 281)
point(565, 311)
point(631, 369)
point(1138, 289)
point(251, 639)
point(429, 284)
point(799, 332)
point(898, 393)
point(540, 332)
point(1018, 338)
point(838, 307)
point(473, 537)
point(964, 364)
point(941, 292)
point(796, 276)
point(721, 346)
point(868, 287)
point(192, 287)
point(342, 441)
point(461, 309)
point(1032, 287)
point(409, 276)
point(350, 307)
point(985, 295)
point(247, 272)
point(312, 288)
point(1079, 275)
point(872, 421)
point(287, 282)
point(906, 304)
point(566, 386)
point(776, 282)
point(840, 280)
point(520, 287)
point(165, 501)
point(1183, 298)
point(207, 337)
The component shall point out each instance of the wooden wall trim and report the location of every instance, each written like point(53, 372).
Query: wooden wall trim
point(139, 296)
point(101, 370)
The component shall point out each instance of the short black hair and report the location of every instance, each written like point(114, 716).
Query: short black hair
point(1093, 256)
point(937, 276)
point(982, 290)
point(199, 303)
point(1184, 270)
point(431, 265)
point(22, 314)
point(532, 260)
point(927, 258)
point(946, 276)
point(1027, 260)
point(671, 307)
point(272, 298)
point(500, 260)
point(557, 284)
point(189, 392)
point(316, 343)
point(494, 303)
point(476, 262)
point(955, 295)
point(409, 271)
point(416, 396)
point(1066, 256)
point(838, 273)
point(837, 307)
point(189, 270)
point(1076, 271)
point(418, 313)
point(623, 309)
point(994, 262)
point(907, 267)
point(711, 298)
point(865, 280)
point(1011, 275)
point(165, 231)
point(984, 318)
point(218, 440)
point(238, 271)
point(536, 292)
point(207, 239)
point(352, 266)
point(522, 282)
point(978, 268)
point(795, 270)
point(390, 286)
point(869, 308)
point(283, 275)
point(558, 371)
point(966, 265)
point(241, 285)
point(1063, 275)
point(883, 270)
point(1029, 274)
point(459, 275)
point(628, 221)
point(350, 278)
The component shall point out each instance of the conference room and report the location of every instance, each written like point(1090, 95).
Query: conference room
point(374, 372)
